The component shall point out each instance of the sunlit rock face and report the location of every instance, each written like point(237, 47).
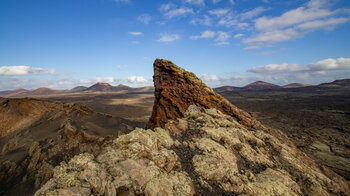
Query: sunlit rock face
point(176, 89)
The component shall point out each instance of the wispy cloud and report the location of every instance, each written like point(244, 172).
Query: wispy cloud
point(204, 35)
point(195, 2)
point(314, 68)
point(215, 1)
point(204, 20)
point(135, 33)
point(179, 12)
point(222, 37)
point(295, 23)
point(238, 35)
point(166, 7)
point(219, 12)
point(23, 70)
point(253, 13)
point(98, 79)
point(144, 18)
point(165, 37)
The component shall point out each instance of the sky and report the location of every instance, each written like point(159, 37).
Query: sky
point(61, 44)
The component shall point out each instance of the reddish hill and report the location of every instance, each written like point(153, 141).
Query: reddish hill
point(105, 87)
point(100, 86)
point(226, 89)
point(12, 92)
point(260, 85)
point(296, 85)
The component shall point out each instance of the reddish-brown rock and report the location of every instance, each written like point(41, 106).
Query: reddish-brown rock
point(177, 89)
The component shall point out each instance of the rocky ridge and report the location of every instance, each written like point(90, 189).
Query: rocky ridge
point(199, 152)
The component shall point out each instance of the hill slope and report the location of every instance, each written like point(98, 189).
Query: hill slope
point(37, 135)
point(260, 85)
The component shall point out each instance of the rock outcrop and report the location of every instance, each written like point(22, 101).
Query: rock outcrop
point(176, 89)
point(214, 155)
point(195, 151)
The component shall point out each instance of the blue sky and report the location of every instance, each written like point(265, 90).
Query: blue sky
point(65, 43)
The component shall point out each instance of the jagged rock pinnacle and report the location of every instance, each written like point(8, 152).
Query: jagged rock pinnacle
point(176, 89)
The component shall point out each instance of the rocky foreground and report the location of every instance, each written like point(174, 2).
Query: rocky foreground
point(195, 151)
point(36, 135)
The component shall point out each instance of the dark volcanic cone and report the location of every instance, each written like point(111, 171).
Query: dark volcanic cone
point(177, 89)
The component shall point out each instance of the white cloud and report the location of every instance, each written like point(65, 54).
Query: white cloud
point(239, 35)
point(144, 18)
point(23, 70)
point(295, 23)
point(98, 79)
point(222, 36)
point(232, 2)
point(317, 67)
point(253, 13)
point(204, 35)
point(228, 21)
point(215, 1)
point(166, 7)
point(321, 71)
point(292, 17)
point(179, 12)
point(318, 3)
point(205, 20)
point(222, 43)
point(168, 38)
point(137, 79)
point(136, 33)
point(219, 12)
point(273, 37)
point(253, 47)
point(327, 24)
point(209, 78)
point(195, 2)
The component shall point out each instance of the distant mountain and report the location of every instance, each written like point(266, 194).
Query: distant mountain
point(105, 87)
point(296, 85)
point(226, 89)
point(122, 87)
point(261, 85)
point(100, 86)
point(12, 92)
point(78, 89)
point(337, 83)
point(28, 93)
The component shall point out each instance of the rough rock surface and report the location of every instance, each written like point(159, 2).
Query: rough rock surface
point(37, 135)
point(215, 155)
point(176, 89)
point(197, 151)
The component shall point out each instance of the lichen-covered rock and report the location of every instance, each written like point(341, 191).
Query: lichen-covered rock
point(220, 157)
point(139, 162)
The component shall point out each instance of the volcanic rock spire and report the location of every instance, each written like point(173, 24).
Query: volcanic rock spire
point(177, 89)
